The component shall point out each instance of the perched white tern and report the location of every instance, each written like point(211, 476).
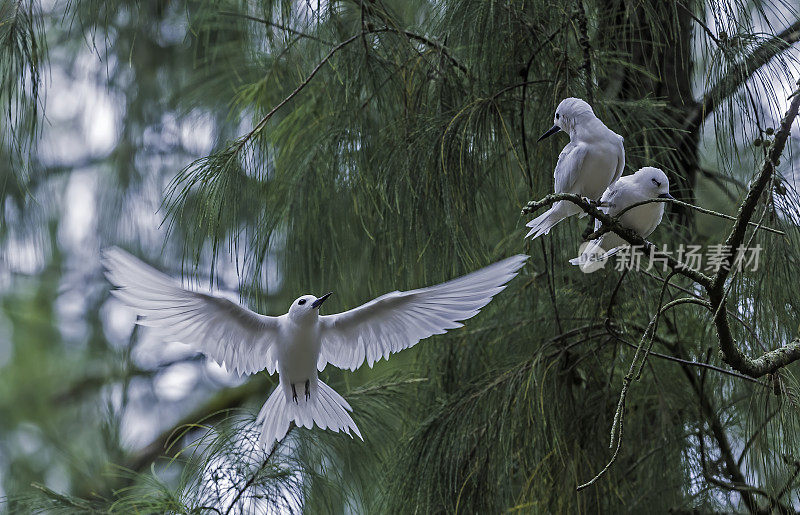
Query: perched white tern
point(301, 342)
point(592, 160)
point(647, 183)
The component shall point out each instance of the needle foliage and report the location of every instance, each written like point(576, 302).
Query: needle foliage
point(364, 146)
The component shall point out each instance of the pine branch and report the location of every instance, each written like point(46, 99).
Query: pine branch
point(634, 373)
point(741, 73)
point(708, 411)
point(744, 490)
point(753, 437)
point(269, 23)
point(435, 45)
point(242, 141)
point(260, 125)
point(777, 358)
point(690, 363)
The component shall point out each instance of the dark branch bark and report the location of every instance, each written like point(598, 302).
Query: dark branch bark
point(777, 358)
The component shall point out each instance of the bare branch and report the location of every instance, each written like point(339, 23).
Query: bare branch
point(687, 362)
point(732, 355)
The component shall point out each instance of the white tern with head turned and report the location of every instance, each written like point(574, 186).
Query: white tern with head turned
point(301, 342)
point(593, 159)
point(647, 183)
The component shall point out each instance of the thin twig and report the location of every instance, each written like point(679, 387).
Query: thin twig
point(253, 478)
point(275, 25)
point(698, 364)
point(690, 206)
point(583, 40)
point(260, 125)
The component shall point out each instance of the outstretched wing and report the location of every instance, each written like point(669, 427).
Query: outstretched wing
point(229, 334)
point(400, 319)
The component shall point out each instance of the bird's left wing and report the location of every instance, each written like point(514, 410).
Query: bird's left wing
point(400, 319)
point(231, 335)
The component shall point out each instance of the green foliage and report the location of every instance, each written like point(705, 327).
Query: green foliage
point(366, 146)
point(22, 52)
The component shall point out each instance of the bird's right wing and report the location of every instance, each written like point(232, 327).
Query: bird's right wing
point(614, 199)
point(608, 201)
point(400, 319)
point(568, 167)
point(239, 339)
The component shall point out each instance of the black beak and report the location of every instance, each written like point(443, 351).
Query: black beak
point(317, 303)
point(550, 132)
point(666, 195)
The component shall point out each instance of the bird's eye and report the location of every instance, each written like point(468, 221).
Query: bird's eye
point(558, 116)
point(658, 184)
point(301, 301)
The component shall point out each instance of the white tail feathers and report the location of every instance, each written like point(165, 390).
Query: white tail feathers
point(547, 220)
point(593, 256)
point(325, 408)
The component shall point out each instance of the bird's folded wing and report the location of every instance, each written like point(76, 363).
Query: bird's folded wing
point(231, 335)
point(399, 320)
point(620, 161)
point(568, 167)
point(607, 202)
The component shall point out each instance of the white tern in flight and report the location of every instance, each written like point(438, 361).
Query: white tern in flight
point(301, 342)
point(592, 160)
point(647, 183)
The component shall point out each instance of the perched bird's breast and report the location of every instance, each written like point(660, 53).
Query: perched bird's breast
point(599, 168)
point(643, 219)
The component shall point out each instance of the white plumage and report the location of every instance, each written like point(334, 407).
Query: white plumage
point(300, 343)
point(593, 159)
point(647, 183)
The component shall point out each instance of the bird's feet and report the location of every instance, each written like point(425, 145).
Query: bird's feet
point(294, 394)
point(596, 203)
point(308, 389)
